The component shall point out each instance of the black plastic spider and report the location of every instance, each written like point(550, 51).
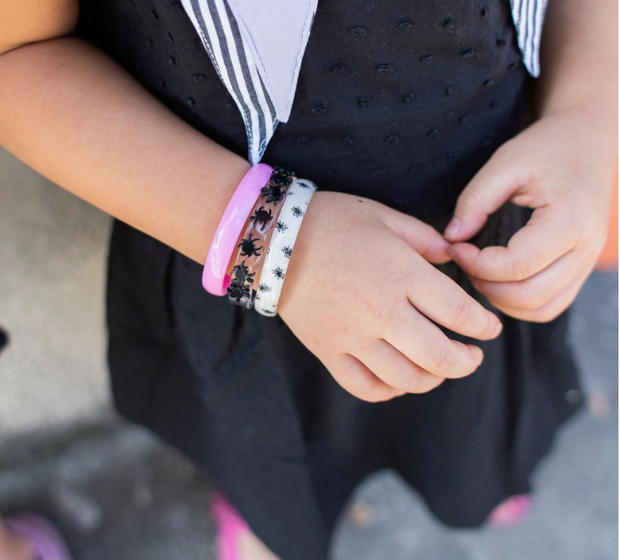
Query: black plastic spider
point(281, 226)
point(282, 176)
point(248, 247)
point(287, 252)
point(273, 192)
point(238, 291)
point(264, 288)
point(283, 170)
point(261, 216)
point(240, 273)
point(278, 273)
point(297, 211)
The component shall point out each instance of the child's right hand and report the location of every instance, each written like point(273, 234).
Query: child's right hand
point(361, 296)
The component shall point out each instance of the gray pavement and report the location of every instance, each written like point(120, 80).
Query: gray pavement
point(120, 494)
point(52, 262)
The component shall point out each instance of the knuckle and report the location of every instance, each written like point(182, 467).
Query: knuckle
point(491, 326)
point(545, 315)
point(442, 358)
point(533, 302)
point(425, 383)
point(469, 200)
point(369, 390)
point(520, 269)
point(525, 300)
point(432, 384)
point(368, 395)
point(531, 297)
point(412, 385)
point(462, 313)
point(383, 396)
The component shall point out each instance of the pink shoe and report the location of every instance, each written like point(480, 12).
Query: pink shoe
point(511, 511)
point(230, 526)
point(44, 539)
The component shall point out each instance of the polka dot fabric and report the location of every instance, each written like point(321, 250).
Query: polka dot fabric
point(391, 103)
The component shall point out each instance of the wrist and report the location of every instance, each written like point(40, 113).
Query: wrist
point(594, 129)
point(214, 204)
point(591, 115)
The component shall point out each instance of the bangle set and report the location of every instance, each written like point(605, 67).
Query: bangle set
point(260, 224)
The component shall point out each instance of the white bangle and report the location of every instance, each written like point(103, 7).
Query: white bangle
point(281, 246)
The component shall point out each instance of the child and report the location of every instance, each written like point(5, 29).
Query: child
point(411, 118)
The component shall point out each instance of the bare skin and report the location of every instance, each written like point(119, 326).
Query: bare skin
point(13, 548)
point(562, 166)
point(75, 116)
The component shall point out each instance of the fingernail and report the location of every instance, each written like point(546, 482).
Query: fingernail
point(453, 228)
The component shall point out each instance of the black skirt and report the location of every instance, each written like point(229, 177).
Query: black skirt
point(398, 101)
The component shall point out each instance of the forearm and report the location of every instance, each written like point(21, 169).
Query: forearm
point(79, 119)
point(579, 68)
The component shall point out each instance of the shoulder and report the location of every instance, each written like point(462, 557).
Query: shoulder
point(31, 21)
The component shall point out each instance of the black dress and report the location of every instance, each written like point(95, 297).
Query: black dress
point(398, 101)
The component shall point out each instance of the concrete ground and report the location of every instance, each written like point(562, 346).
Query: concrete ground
point(52, 263)
point(119, 494)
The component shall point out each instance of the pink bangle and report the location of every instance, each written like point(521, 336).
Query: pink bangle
point(214, 276)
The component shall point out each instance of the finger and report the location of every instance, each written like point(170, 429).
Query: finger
point(440, 299)
point(552, 309)
point(543, 240)
point(353, 376)
point(491, 187)
point(390, 365)
point(538, 290)
point(421, 237)
point(425, 344)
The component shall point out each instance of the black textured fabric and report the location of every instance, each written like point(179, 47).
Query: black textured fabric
point(398, 101)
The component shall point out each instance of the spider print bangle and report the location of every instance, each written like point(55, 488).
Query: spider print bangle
point(281, 246)
point(252, 243)
point(214, 278)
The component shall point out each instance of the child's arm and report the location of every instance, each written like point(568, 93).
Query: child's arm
point(359, 294)
point(76, 117)
point(562, 166)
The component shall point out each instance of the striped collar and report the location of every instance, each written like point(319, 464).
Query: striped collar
point(260, 67)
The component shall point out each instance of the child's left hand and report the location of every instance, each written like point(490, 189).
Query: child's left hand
point(560, 166)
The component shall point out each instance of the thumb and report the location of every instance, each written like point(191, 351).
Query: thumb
point(491, 187)
point(421, 237)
